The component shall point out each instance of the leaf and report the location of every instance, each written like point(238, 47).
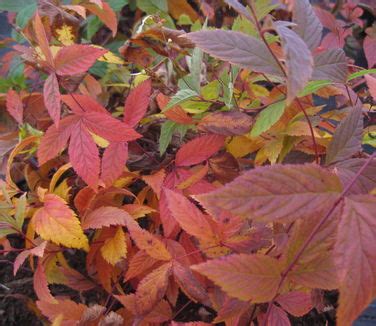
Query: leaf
point(137, 103)
point(188, 283)
point(41, 286)
point(25, 14)
point(240, 49)
point(14, 5)
point(347, 170)
point(51, 97)
point(56, 222)
point(41, 37)
point(55, 139)
point(369, 46)
point(347, 138)
point(181, 96)
point(167, 131)
point(152, 288)
point(330, 65)
point(267, 118)
point(240, 9)
point(176, 113)
point(355, 255)
point(361, 73)
point(308, 26)
point(115, 248)
point(71, 311)
point(76, 59)
point(189, 217)
point(278, 192)
point(105, 216)
point(226, 123)
point(108, 127)
point(84, 155)
point(245, 277)
point(299, 61)
point(105, 14)
point(36, 251)
point(82, 103)
point(14, 105)
point(198, 150)
point(295, 303)
point(277, 317)
point(371, 83)
point(113, 162)
point(146, 241)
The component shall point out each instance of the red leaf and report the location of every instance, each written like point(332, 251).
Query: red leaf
point(41, 37)
point(84, 155)
point(198, 150)
point(295, 303)
point(41, 286)
point(105, 216)
point(36, 251)
point(113, 162)
point(76, 59)
point(137, 103)
point(82, 103)
point(105, 14)
point(108, 127)
point(14, 105)
point(52, 99)
point(55, 139)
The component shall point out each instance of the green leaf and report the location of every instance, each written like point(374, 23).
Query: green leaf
point(361, 73)
point(195, 68)
point(179, 97)
point(167, 130)
point(19, 216)
point(117, 5)
point(92, 26)
point(267, 118)
point(314, 86)
point(15, 5)
point(152, 6)
point(25, 14)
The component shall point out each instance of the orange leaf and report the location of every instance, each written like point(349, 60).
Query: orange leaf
point(56, 222)
point(71, 311)
point(105, 14)
point(36, 251)
point(246, 277)
point(176, 113)
point(155, 181)
point(41, 37)
point(41, 286)
point(355, 255)
point(113, 162)
point(198, 150)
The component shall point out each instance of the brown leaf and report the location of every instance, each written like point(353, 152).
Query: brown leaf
point(228, 123)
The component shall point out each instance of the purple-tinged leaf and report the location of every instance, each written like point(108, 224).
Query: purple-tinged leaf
point(347, 170)
point(239, 49)
point(308, 26)
point(240, 9)
point(299, 61)
point(347, 138)
point(330, 65)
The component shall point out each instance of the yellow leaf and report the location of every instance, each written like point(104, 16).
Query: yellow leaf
point(110, 57)
point(240, 146)
point(65, 34)
point(101, 142)
point(56, 222)
point(115, 248)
